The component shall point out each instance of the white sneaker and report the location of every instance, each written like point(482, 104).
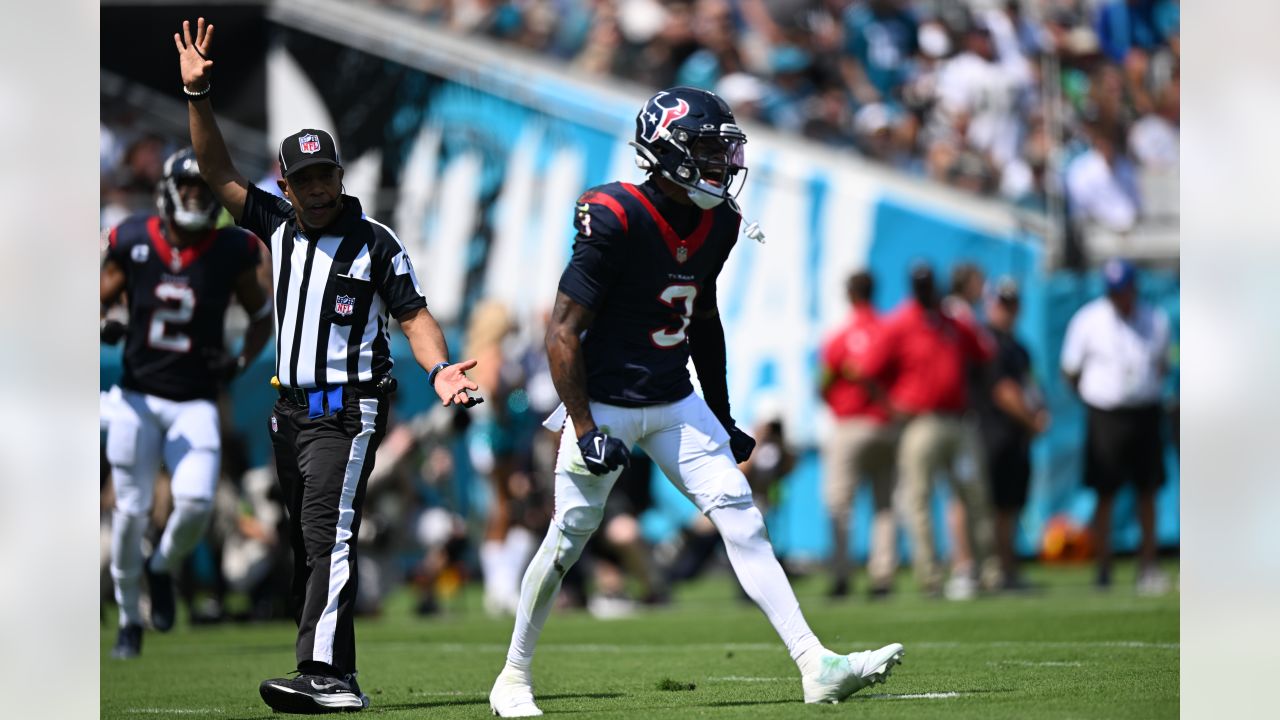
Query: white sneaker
point(1152, 582)
point(960, 587)
point(844, 675)
point(512, 694)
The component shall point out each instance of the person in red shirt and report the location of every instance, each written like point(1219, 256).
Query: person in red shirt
point(862, 443)
point(921, 356)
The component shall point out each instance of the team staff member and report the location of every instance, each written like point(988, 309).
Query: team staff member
point(1115, 355)
point(1011, 413)
point(863, 442)
point(337, 275)
point(921, 356)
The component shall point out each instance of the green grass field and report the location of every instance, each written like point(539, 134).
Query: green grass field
point(1070, 653)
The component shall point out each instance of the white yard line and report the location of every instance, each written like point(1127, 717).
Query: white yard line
point(173, 711)
point(1045, 663)
point(914, 696)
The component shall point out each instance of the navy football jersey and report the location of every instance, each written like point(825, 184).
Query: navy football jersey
point(177, 303)
point(643, 263)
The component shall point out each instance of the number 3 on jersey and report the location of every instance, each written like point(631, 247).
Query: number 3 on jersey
point(685, 294)
point(180, 307)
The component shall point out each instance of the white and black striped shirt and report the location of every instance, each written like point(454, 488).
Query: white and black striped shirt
point(333, 292)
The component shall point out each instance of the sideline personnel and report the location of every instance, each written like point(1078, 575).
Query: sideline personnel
point(337, 275)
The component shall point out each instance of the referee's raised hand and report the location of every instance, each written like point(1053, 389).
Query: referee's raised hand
point(194, 54)
point(452, 385)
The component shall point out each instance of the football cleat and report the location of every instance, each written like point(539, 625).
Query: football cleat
point(128, 643)
point(160, 589)
point(844, 675)
point(310, 695)
point(512, 694)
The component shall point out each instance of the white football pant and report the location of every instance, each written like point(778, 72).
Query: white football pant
point(142, 431)
point(686, 440)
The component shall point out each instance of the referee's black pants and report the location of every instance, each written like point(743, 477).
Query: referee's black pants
point(323, 465)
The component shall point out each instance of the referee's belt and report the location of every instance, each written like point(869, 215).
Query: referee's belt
point(324, 401)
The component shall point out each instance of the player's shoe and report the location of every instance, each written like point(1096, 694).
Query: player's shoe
point(310, 695)
point(128, 643)
point(160, 590)
point(843, 675)
point(512, 694)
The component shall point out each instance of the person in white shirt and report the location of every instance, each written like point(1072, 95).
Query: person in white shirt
point(1115, 356)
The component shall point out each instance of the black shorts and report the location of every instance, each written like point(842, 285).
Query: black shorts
point(1124, 446)
point(1009, 467)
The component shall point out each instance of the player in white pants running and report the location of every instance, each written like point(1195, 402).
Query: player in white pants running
point(635, 304)
point(178, 273)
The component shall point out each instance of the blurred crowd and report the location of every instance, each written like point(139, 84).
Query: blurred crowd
point(1020, 99)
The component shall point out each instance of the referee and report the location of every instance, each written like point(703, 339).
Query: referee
point(338, 273)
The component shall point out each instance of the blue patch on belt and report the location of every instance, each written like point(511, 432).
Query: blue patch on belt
point(315, 403)
point(323, 402)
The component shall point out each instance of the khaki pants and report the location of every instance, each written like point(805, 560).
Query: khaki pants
point(931, 444)
point(859, 448)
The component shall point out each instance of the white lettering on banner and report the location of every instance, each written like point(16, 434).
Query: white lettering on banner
point(773, 328)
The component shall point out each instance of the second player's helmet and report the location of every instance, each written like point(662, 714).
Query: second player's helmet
point(689, 136)
point(180, 169)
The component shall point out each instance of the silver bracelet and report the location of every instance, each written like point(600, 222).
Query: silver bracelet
point(197, 95)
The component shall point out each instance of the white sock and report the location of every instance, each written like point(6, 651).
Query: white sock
point(126, 563)
point(558, 552)
point(491, 566)
point(751, 555)
point(182, 532)
point(516, 549)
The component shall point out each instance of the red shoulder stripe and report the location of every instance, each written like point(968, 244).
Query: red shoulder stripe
point(609, 202)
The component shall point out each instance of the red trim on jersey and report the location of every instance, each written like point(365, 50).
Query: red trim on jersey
point(674, 242)
point(609, 202)
point(187, 255)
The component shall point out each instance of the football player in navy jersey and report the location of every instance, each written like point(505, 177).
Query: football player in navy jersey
point(176, 272)
point(636, 302)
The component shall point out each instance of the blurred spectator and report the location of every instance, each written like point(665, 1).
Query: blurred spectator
point(863, 443)
point(1101, 184)
point(880, 38)
point(1012, 412)
point(507, 545)
point(772, 460)
point(1115, 355)
point(964, 304)
point(921, 356)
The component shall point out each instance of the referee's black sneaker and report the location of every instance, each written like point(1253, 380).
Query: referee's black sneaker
point(160, 589)
point(355, 688)
point(311, 695)
point(128, 643)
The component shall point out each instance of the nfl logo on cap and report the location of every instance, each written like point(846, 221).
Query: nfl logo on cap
point(309, 144)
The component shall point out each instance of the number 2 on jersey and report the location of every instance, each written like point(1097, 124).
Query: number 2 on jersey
point(179, 308)
point(668, 337)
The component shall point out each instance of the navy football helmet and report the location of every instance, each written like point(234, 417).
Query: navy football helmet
point(689, 136)
point(179, 169)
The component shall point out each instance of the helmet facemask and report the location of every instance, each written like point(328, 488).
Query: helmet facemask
point(196, 213)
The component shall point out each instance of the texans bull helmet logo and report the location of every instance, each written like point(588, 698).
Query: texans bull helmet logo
point(657, 115)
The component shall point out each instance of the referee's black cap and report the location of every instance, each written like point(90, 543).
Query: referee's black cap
point(305, 148)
